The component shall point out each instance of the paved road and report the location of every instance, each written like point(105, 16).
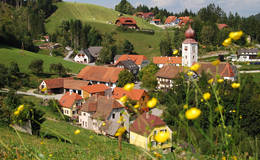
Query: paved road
point(67, 58)
point(253, 71)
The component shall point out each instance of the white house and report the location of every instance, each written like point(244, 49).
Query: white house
point(81, 58)
point(248, 55)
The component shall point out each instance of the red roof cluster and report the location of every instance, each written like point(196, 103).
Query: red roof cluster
point(56, 82)
point(100, 73)
point(156, 20)
point(68, 99)
point(167, 60)
point(126, 20)
point(145, 123)
point(138, 59)
point(170, 19)
point(95, 88)
point(221, 26)
point(134, 94)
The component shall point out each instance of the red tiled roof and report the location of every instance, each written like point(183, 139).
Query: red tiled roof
point(224, 69)
point(138, 59)
point(101, 105)
point(74, 84)
point(184, 20)
point(169, 71)
point(221, 26)
point(134, 94)
point(100, 73)
point(170, 19)
point(145, 123)
point(55, 83)
point(167, 60)
point(148, 14)
point(126, 20)
point(96, 88)
point(189, 40)
point(68, 99)
point(156, 20)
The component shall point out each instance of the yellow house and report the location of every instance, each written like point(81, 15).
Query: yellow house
point(71, 103)
point(143, 130)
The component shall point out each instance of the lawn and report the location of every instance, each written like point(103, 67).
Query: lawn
point(24, 58)
point(249, 67)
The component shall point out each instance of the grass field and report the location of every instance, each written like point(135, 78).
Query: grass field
point(52, 142)
point(24, 58)
point(99, 17)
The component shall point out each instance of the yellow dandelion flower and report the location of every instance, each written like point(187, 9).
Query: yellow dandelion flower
point(235, 85)
point(123, 99)
point(152, 103)
point(103, 124)
point(210, 81)
point(235, 35)
point(50, 155)
point(162, 136)
point(229, 135)
point(120, 131)
point(136, 106)
point(190, 74)
point(227, 42)
point(90, 137)
point(20, 108)
point(206, 96)
point(16, 113)
point(192, 113)
point(185, 106)
point(195, 67)
point(240, 117)
point(201, 100)
point(216, 62)
point(223, 158)
point(157, 155)
point(41, 142)
point(77, 132)
point(234, 157)
point(220, 80)
point(219, 108)
point(175, 52)
point(233, 111)
point(121, 119)
point(129, 86)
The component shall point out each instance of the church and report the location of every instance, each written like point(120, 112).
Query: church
point(189, 57)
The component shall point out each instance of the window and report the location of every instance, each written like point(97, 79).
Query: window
point(79, 92)
point(186, 48)
point(113, 116)
point(193, 49)
point(74, 90)
point(73, 112)
point(163, 130)
point(185, 57)
point(193, 57)
point(154, 133)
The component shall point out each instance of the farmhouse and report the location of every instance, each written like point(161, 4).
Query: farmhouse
point(102, 110)
point(148, 15)
point(100, 75)
point(95, 89)
point(88, 55)
point(126, 22)
point(248, 55)
point(140, 60)
point(171, 21)
point(129, 65)
point(144, 129)
point(162, 61)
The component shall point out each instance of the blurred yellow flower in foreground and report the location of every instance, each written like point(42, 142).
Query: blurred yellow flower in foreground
point(235, 35)
point(185, 106)
point(206, 96)
point(123, 99)
point(16, 113)
point(190, 74)
point(210, 81)
point(216, 62)
point(235, 85)
point(227, 42)
point(195, 67)
point(120, 131)
point(103, 124)
point(136, 106)
point(175, 52)
point(220, 80)
point(129, 86)
point(77, 132)
point(162, 136)
point(157, 155)
point(20, 108)
point(152, 103)
point(192, 113)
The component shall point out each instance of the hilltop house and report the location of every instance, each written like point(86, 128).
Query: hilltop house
point(248, 55)
point(100, 111)
point(147, 15)
point(184, 20)
point(71, 103)
point(143, 130)
point(126, 22)
point(62, 85)
point(100, 75)
point(138, 95)
point(95, 89)
point(129, 65)
point(171, 21)
point(162, 61)
point(155, 21)
point(140, 60)
point(88, 55)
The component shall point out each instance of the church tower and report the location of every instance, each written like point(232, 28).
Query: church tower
point(189, 48)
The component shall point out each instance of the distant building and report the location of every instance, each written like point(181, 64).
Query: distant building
point(148, 15)
point(129, 65)
point(171, 21)
point(155, 21)
point(162, 61)
point(95, 89)
point(248, 55)
point(88, 55)
point(140, 60)
point(126, 22)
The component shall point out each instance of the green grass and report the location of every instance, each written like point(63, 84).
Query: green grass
point(98, 17)
point(249, 67)
point(256, 76)
point(24, 58)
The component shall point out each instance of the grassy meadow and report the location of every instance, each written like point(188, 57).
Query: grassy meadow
point(99, 17)
point(24, 58)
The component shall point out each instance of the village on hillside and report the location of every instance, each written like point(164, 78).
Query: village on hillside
point(86, 88)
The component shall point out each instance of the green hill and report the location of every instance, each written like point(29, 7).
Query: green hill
point(24, 58)
point(99, 17)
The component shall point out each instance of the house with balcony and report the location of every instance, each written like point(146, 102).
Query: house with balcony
point(144, 129)
point(248, 55)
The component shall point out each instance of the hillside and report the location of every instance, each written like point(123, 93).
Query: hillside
point(99, 17)
point(257, 16)
point(24, 58)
